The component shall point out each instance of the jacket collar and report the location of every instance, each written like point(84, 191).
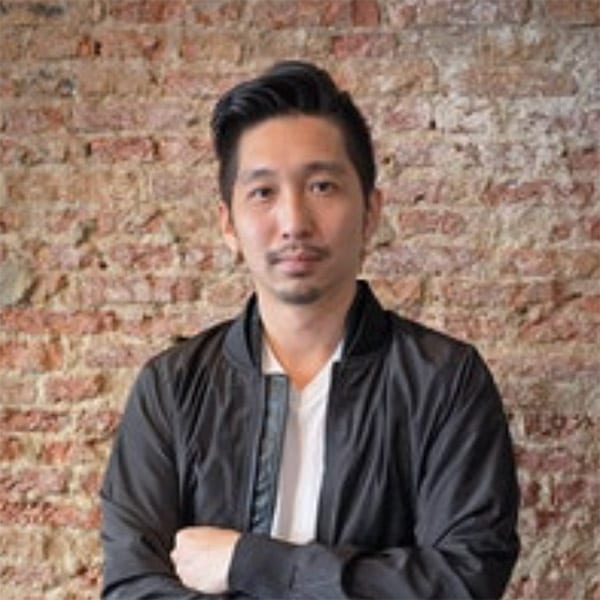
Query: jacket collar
point(366, 330)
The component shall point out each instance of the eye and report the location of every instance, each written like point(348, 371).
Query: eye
point(322, 187)
point(262, 192)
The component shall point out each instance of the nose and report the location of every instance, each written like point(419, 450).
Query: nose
point(295, 217)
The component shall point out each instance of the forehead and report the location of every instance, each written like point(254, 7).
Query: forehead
point(291, 139)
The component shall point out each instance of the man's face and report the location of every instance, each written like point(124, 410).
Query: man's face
point(297, 212)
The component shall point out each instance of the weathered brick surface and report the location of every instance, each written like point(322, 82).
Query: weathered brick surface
point(487, 121)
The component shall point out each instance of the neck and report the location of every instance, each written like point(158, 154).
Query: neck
point(303, 337)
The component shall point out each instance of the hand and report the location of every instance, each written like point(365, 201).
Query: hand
point(202, 557)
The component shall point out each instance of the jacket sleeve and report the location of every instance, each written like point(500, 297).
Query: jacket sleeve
point(140, 500)
point(465, 517)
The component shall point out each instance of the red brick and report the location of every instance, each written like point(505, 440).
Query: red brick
point(450, 12)
point(530, 493)
point(412, 74)
point(401, 14)
point(106, 186)
point(415, 192)
point(25, 121)
point(274, 14)
point(121, 149)
point(546, 191)
point(363, 45)
point(122, 44)
point(104, 117)
point(559, 327)
point(585, 159)
point(10, 219)
point(575, 491)
point(518, 45)
point(47, 148)
point(60, 451)
point(365, 13)
point(137, 289)
point(51, 43)
point(33, 186)
point(91, 482)
point(30, 356)
point(552, 366)
point(546, 262)
point(47, 513)
point(65, 257)
point(148, 11)
point(100, 424)
point(551, 587)
point(142, 257)
point(14, 43)
point(143, 221)
point(27, 578)
point(18, 544)
point(14, 420)
point(228, 292)
point(127, 115)
point(406, 115)
point(170, 185)
point(516, 80)
point(48, 286)
point(419, 222)
point(404, 293)
point(220, 12)
point(57, 452)
point(184, 149)
point(73, 388)
point(12, 448)
point(590, 304)
point(162, 326)
point(410, 152)
point(42, 12)
point(551, 459)
point(32, 483)
point(479, 328)
point(192, 81)
point(593, 228)
point(17, 392)
point(122, 355)
point(99, 79)
point(223, 46)
point(405, 260)
point(555, 426)
point(575, 12)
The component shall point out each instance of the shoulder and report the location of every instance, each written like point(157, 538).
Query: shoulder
point(194, 350)
point(426, 343)
point(189, 358)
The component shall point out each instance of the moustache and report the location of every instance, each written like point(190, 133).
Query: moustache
point(295, 250)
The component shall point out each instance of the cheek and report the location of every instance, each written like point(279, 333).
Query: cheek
point(253, 235)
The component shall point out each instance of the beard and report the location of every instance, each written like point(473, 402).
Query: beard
point(298, 297)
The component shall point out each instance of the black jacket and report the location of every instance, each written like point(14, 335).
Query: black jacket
point(419, 495)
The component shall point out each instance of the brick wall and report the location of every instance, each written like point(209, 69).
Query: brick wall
point(487, 120)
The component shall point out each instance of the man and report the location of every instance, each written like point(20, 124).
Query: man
point(317, 446)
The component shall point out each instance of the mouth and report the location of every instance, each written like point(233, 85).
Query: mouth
point(297, 259)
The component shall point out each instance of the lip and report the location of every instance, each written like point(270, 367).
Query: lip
point(297, 261)
point(297, 255)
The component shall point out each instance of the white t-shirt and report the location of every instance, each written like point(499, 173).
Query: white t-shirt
point(302, 461)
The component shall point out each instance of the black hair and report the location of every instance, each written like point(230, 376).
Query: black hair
point(289, 87)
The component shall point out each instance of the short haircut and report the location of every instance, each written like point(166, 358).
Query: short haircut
point(288, 88)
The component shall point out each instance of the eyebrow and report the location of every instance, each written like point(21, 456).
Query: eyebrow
point(336, 168)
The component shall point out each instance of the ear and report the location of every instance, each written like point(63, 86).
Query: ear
point(227, 228)
point(372, 213)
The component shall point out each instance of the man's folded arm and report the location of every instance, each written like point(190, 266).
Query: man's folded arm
point(140, 501)
point(466, 512)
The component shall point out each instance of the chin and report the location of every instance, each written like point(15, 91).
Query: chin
point(305, 295)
